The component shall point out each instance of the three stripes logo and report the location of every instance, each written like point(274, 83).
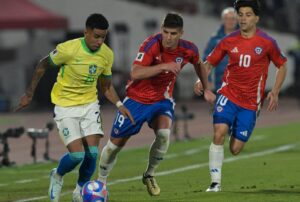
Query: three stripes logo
point(214, 170)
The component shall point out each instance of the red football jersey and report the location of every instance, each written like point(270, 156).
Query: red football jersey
point(245, 77)
point(161, 86)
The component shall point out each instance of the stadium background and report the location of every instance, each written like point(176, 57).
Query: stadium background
point(26, 38)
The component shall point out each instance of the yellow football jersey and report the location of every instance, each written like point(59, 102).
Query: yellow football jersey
point(79, 71)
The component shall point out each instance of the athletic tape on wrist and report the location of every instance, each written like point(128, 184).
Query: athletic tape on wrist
point(119, 104)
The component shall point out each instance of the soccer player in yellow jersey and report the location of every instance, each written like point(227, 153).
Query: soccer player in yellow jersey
point(83, 62)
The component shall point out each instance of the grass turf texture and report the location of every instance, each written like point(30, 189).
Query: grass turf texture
point(253, 177)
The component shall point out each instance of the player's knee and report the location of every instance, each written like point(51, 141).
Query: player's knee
point(76, 157)
point(110, 151)
point(235, 150)
point(163, 136)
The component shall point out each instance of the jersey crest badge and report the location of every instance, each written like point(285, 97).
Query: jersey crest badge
point(219, 109)
point(139, 56)
point(179, 60)
point(258, 50)
point(92, 69)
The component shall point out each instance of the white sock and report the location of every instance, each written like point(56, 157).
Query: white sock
point(78, 188)
point(108, 159)
point(157, 150)
point(216, 156)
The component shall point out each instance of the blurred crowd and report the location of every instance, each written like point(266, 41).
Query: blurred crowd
point(280, 15)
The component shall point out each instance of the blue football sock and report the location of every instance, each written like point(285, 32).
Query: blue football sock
point(68, 162)
point(88, 165)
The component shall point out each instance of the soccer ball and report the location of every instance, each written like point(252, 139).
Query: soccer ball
point(94, 191)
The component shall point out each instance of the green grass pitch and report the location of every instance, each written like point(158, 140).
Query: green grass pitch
point(268, 170)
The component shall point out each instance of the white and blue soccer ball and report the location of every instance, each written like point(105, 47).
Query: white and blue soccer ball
point(94, 191)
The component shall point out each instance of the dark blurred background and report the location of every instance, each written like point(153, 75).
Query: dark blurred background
point(30, 29)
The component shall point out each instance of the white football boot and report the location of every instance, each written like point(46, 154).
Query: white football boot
point(214, 187)
point(56, 183)
point(76, 196)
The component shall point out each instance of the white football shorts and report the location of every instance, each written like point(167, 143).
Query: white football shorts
point(78, 121)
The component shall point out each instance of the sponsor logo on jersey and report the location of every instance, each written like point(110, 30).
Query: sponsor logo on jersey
point(258, 50)
point(139, 56)
point(92, 69)
point(219, 108)
point(244, 133)
point(179, 60)
point(234, 50)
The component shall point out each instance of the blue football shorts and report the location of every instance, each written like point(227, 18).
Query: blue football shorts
point(240, 121)
point(122, 127)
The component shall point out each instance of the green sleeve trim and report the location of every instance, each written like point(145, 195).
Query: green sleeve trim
point(50, 61)
point(62, 69)
point(106, 76)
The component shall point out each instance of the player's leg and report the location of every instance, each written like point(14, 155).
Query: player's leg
point(162, 128)
point(223, 118)
point(70, 133)
point(108, 156)
point(243, 127)
point(91, 127)
point(216, 156)
point(122, 130)
point(88, 165)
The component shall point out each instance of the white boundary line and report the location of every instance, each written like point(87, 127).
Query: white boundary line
point(190, 167)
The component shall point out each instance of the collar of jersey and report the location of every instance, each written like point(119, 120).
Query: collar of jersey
point(84, 46)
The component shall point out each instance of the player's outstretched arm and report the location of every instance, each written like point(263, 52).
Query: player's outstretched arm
point(139, 72)
point(111, 94)
point(273, 95)
point(37, 75)
point(201, 86)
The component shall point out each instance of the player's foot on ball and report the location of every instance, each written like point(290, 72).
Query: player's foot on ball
point(152, 186)
point(214, 187)
point(76, 196)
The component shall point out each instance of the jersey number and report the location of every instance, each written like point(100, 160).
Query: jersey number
point(222, 100)
point(120, 120)
point(245, 60)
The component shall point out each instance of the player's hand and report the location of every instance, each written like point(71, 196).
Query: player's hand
point(198, 88)
point(126, 113)
point(273, 101)
point(25, 100)
point(172, 67)
point(209, 96)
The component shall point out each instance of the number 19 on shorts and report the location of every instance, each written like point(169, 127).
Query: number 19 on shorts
point(119, 120)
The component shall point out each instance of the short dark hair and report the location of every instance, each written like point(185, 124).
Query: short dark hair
point(173, 20)
point(97, 21)
point(254, 4)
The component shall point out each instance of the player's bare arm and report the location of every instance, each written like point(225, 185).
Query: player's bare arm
point(273, 95)
point(37, 75)
point(198, 86)
point(200, 69)
point(110, 93)
point(139, 72)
